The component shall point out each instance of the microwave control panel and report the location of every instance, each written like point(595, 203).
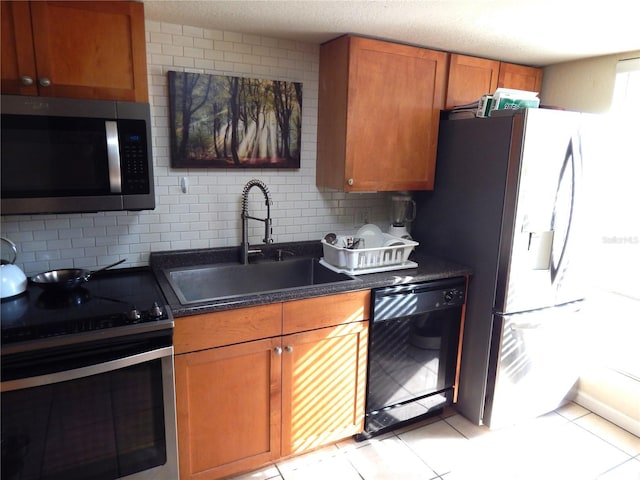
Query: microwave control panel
point(133, 157)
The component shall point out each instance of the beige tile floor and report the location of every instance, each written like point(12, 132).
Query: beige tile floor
point(571, 443)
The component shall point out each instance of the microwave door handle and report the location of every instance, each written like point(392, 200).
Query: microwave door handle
point(113, 156)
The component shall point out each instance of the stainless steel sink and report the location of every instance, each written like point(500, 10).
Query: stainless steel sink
point(215, 282)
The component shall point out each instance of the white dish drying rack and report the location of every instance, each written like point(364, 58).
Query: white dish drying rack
point(392, 255)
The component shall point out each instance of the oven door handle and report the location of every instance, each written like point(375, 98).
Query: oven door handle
point(87, 371)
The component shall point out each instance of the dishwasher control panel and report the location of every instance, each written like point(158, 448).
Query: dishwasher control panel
point(455, 296)
point(416, 298)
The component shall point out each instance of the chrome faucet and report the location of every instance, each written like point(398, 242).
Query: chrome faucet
point(244, 245)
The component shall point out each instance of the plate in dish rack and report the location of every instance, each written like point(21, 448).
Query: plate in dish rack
point(372, 235)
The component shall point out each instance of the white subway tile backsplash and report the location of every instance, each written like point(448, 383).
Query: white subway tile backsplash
point(108, 241)
point(172, 50)
point(208, 215)
point(206, 65)
point(183, 62)
point(152, 26)
point(192, 32)
point(163, 59)
point(171, 28)
point(182, 41)
point(48, 255)
point(77, 242)
point(222, 45)
point(196, 53)
point(203, 43)
point(232, 36)
point(160, 38)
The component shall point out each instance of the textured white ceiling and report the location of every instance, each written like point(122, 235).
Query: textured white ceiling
point(532, 32)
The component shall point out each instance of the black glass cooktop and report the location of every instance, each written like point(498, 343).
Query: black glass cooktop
point(111, 303)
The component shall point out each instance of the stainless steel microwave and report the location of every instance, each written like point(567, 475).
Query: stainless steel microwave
point(64, 155)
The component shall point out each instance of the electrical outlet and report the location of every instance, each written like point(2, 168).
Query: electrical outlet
point(361, 217)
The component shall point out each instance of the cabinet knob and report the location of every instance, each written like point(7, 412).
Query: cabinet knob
point(350, 182)
point(26, 81)
point(288, 349)
point(44, 82)
point(277, 350)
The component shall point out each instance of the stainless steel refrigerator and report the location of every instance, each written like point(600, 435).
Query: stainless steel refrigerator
point(508, 201)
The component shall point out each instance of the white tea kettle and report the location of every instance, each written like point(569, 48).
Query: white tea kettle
point(14, 281)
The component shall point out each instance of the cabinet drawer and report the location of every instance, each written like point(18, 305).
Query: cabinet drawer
point(312, 313)
point(209, 330)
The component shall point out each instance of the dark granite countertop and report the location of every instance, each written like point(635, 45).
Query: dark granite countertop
point(429, 268)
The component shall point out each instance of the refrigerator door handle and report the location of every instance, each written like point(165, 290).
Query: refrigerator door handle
point(567, 174)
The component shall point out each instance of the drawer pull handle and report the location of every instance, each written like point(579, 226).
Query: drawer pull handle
point(277, 350)
point(288, 349)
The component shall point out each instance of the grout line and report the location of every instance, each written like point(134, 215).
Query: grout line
point(604, 439)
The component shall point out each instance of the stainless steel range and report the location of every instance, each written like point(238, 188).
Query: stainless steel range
point(87, 381)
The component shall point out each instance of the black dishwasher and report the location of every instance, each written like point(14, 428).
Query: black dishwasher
point(413, 350)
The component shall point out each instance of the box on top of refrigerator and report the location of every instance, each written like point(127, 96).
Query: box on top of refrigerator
point(511, 99)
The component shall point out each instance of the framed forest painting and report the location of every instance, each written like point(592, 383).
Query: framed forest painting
point(219, 121)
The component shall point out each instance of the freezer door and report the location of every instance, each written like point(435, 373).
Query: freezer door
point(535, 363)
point(541, 249)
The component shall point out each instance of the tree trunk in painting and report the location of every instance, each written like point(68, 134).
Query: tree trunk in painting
point(282, 108)
point(172, 117)
point(298, 90)
point(217, 127)
point(188, 109)
point(253, 98)
point(235, 115)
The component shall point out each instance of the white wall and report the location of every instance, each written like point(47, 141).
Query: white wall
point(583, 85)
point(209, 214)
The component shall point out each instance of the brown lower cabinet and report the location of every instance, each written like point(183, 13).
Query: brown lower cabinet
point(244, 405)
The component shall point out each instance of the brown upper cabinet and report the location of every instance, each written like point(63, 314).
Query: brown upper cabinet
point(74, 49)
point(378, 115)
point(472, 77)
point(520, 77)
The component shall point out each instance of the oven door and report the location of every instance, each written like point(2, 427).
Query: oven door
point(101, 411)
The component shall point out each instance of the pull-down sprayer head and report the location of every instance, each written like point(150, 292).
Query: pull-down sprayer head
point(245, 216)
point(245, 193)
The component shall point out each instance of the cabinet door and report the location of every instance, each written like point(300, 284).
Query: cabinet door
point(228, 402)
point(378, 115)
point(470, 78)
point(18, 68)
point(323, 386)
point(520, 77)
point(395, 96)
point(90, 49)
